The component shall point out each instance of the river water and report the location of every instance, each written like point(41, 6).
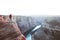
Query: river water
point(28, 37)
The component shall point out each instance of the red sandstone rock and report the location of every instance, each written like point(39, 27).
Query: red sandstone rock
point(9, 31)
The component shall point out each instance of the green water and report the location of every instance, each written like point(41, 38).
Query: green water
point(28, 37)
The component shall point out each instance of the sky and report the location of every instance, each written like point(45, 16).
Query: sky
point(30, 7)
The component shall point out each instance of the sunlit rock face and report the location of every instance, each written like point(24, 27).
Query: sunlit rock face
point(9, 30)
point(51, 28)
